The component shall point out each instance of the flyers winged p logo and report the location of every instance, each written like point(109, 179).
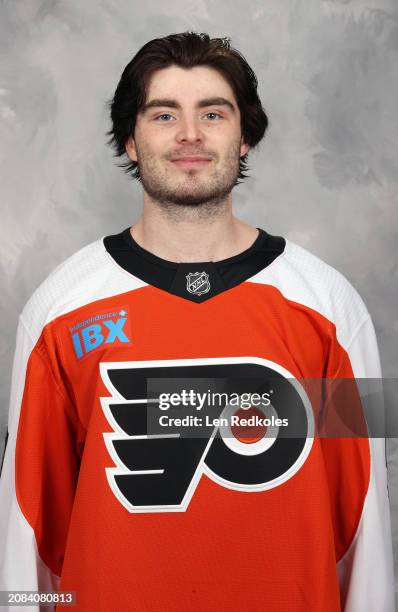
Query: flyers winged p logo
point(159, 473)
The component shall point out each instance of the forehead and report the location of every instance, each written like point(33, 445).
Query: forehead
point(188, 84)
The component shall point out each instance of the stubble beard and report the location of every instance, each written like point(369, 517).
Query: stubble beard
point(180, 193)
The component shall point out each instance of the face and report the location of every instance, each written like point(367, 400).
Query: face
point(189, 114)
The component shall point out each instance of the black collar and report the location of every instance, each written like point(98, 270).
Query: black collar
point(196, 281)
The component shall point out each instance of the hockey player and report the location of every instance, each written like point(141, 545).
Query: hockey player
point(93, 500)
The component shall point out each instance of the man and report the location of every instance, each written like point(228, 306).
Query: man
point(96, 496)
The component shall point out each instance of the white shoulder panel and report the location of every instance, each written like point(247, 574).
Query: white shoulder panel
point(304, 278)
point(88, 275)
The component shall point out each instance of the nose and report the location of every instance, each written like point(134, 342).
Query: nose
point(189, 130)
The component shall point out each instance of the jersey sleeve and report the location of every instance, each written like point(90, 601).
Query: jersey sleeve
point(40, 469)
point(366, 571)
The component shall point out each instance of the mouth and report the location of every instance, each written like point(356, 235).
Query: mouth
point(191, 162)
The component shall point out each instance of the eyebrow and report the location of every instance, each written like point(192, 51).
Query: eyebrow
point(170, 103)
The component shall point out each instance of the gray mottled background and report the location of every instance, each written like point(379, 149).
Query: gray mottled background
point(325, 176)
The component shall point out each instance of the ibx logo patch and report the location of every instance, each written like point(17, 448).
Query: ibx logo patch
point(99, 330)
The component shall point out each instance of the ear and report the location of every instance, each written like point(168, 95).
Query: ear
point(244, 148)
point(130, 149)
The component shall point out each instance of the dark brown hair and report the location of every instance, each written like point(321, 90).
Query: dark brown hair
point(186, 49)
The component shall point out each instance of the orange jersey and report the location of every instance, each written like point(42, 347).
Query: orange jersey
point(93, 501)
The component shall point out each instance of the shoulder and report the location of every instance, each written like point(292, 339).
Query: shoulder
point(305, 278)
point(88, 275)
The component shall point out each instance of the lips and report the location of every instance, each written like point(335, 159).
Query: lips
point(191, 158)
point(189, 162)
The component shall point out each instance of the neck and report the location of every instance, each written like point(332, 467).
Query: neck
point(192, 237)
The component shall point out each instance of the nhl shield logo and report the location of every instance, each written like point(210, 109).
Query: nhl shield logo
point(198, 283)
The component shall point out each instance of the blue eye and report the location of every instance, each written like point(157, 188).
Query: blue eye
point(163, 115)
point(213, 113)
